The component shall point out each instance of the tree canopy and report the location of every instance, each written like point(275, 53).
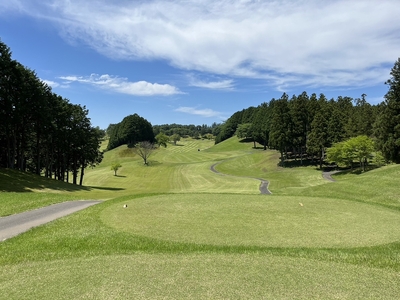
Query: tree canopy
point(40, 131)
point(387, 126)
point(131, 130)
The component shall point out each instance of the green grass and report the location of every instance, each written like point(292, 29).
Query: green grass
point(255, 220)
point(189, 233)
point(196, 276)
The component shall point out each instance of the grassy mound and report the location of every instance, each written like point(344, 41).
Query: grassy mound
point(244, 220)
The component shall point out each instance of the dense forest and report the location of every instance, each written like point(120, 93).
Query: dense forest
point(199, 131)
point(306, 125)
point(41, 132)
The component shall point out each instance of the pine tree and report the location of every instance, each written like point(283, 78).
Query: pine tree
point(387, 125)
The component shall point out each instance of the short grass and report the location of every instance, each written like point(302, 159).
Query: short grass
point(189, 233)
point(255, 220)
point(196, 276)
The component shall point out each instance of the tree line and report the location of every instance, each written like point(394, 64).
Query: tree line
point(40, 131)
point(194, 131)
point(306, 125)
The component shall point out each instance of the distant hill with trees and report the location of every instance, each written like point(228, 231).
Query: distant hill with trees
point(306, 125)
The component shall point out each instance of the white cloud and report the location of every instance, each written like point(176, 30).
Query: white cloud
point(288, 42)
point(51, 83)
point(208, 113)
point(227, 84)
point(122, 85)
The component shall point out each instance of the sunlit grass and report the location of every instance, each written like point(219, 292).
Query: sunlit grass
point(196, 234)
point(257, 220)
point(195, 276)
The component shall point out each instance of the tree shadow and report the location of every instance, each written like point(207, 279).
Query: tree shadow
point(21, 182)
point(246, 140)
point(106, 188)
point(297, 163)
point(357, 170)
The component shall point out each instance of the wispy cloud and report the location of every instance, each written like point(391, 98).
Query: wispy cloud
point(122, 85)
point(51, 83)
point(227, 84)
point(287, 43)
point(208, 113)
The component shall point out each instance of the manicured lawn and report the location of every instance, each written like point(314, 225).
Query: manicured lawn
point(189, 233)
point(195, 276)
point(256, 220)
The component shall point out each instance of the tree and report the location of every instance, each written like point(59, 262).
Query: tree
point(317, 138)
point(244, 131)
point(261, 123)
point(280, 134)
point(175, 138)
point(131, 130)
point(299, 116)
point(364, 147)
point(387, 125)
point(345, 152)
point(115, 167)
point(144, 150)
point(162, 139)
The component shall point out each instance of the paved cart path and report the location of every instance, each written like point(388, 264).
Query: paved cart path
point(263, 186)
point(328, 175)
point(15, 224)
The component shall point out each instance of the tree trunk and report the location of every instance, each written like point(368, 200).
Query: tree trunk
point(82, 173)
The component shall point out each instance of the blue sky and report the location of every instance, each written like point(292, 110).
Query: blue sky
point(198, 62)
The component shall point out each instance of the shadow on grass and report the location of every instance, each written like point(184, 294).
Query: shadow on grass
point(105, 188)
point(356, 170)
point(297, 163)
point(17, 181)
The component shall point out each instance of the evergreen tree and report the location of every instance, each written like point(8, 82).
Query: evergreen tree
point(387, 126)
point(261, 123)
point(280, 135)
point(299, 119)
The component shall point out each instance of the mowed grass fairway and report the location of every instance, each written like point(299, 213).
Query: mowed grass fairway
point(238, 220)
point(190, 233)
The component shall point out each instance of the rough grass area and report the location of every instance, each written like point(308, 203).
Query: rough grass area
point(239, 220)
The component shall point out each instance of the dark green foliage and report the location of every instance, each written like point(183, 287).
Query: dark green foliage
point(299, 122)
point(281, 123)
point(387, 126)
point(131, 130)
point(185, 130)
point(40, 131)
point(228, 128)
point(262, 123)
point(318, 138)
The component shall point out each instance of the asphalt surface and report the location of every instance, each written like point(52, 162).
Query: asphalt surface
point(15, 224)
point(263, 186)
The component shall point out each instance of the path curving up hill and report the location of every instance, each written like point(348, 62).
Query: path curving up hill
point(328, 175)
point(263, 185)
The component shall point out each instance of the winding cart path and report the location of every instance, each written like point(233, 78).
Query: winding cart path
point(263, 185)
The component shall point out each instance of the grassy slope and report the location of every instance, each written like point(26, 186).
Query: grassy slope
point(96, 259)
